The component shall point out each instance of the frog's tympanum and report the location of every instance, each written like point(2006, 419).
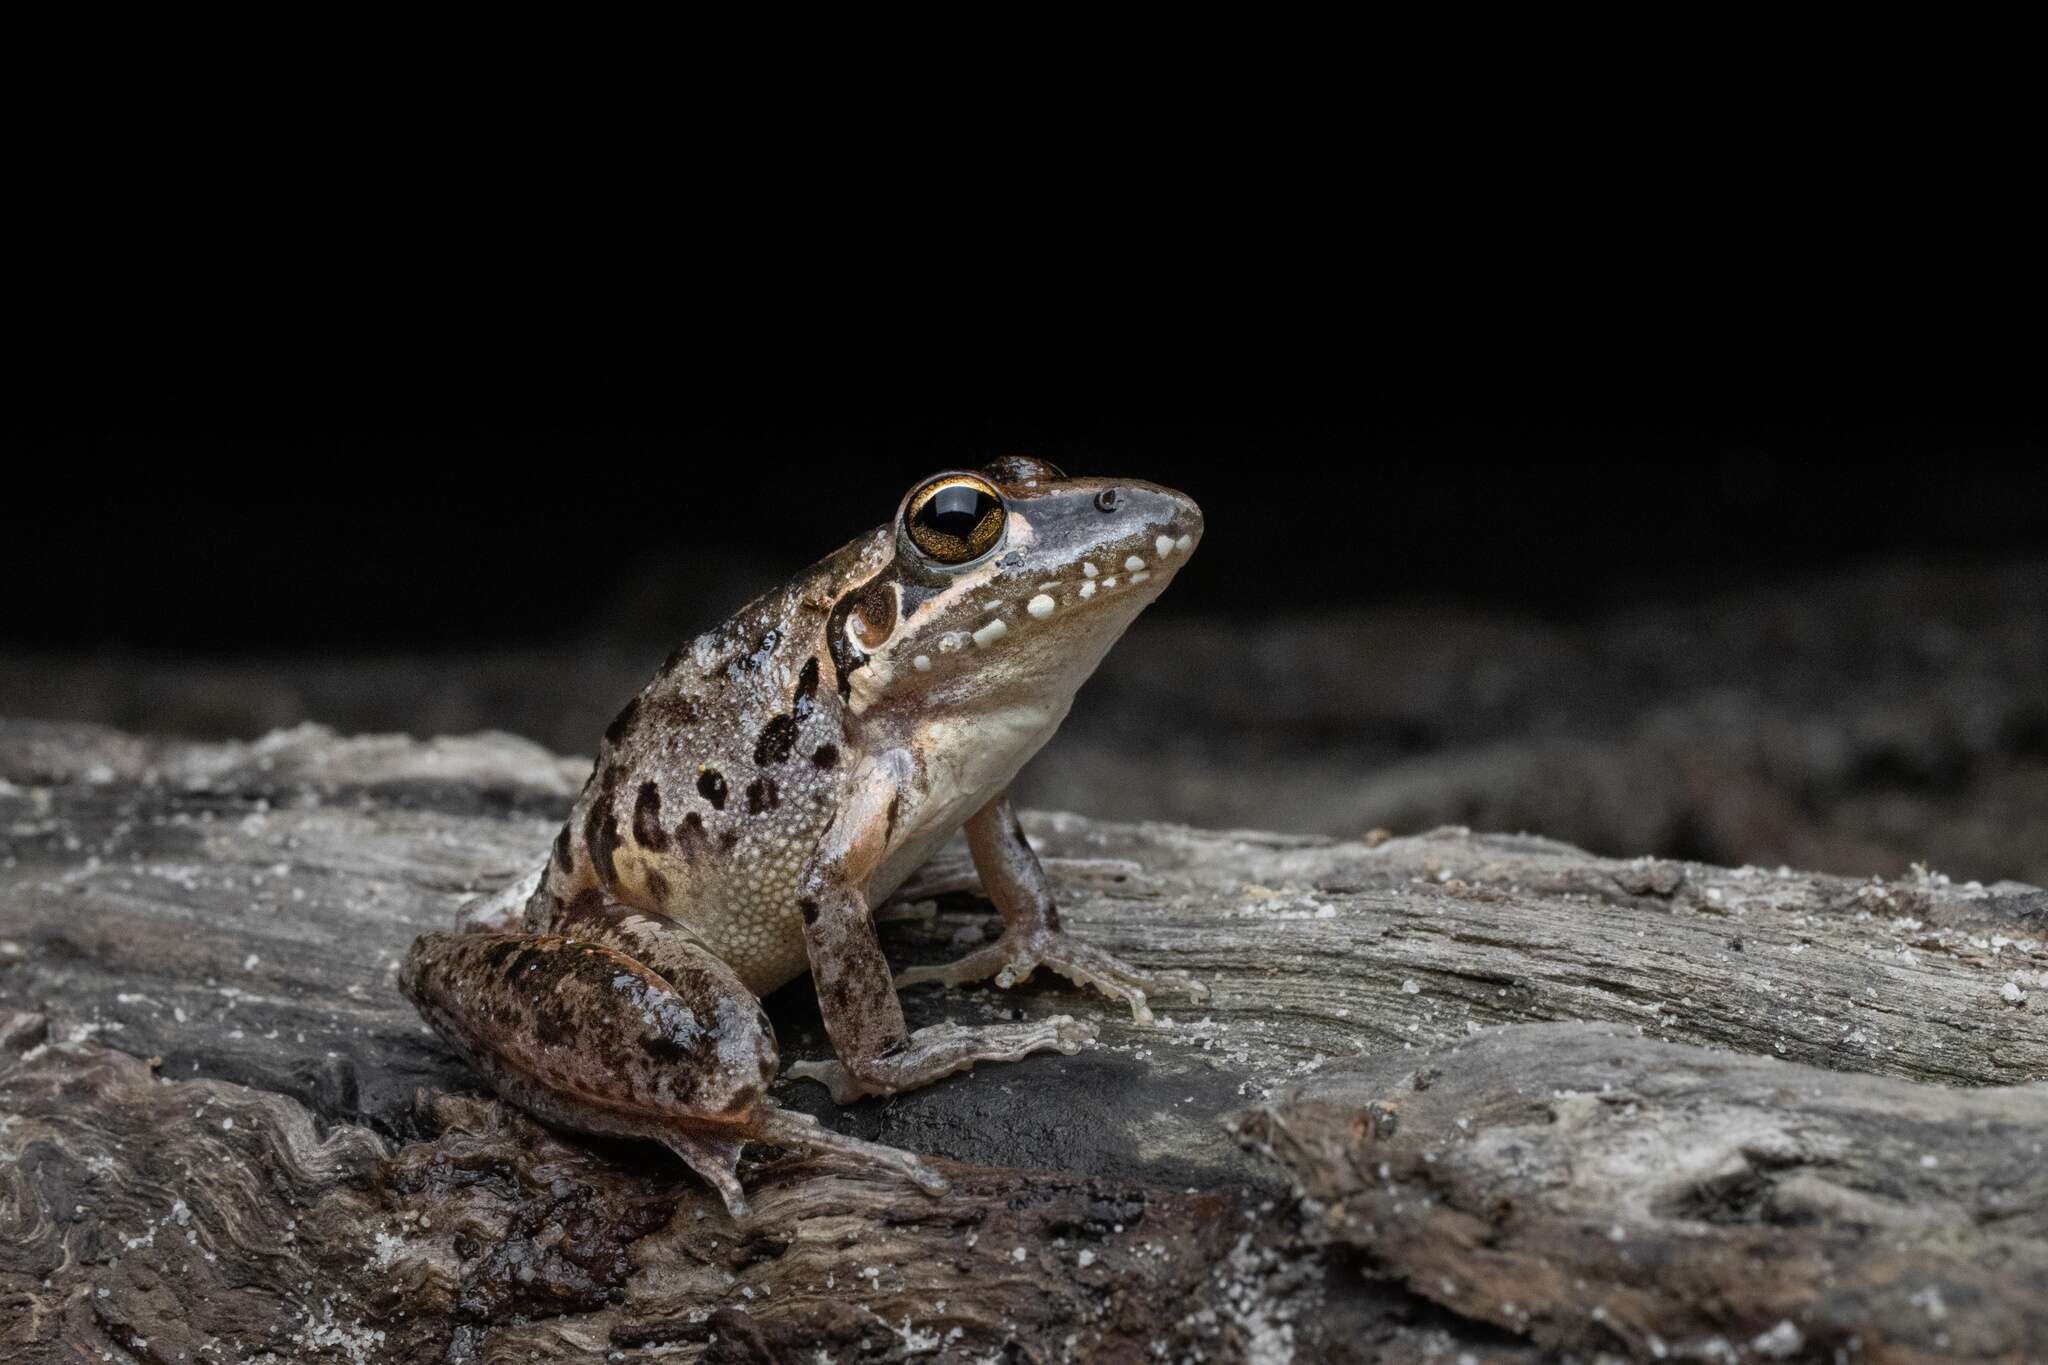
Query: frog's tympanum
point(779, 777)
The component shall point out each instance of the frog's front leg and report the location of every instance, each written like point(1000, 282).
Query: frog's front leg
point(1032, 937)
point(877, 1055)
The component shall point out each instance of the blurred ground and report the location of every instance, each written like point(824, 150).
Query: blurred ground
point(1854, 723)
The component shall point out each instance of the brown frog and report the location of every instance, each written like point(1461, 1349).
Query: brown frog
point(779, 777)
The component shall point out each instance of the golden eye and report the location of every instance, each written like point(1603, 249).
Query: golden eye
point(954, 518)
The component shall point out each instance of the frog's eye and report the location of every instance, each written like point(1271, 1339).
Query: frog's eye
point(954, 518)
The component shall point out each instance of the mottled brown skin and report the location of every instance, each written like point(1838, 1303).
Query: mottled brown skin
point(779, 777)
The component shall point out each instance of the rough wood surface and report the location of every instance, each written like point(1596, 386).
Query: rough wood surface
point(1588, 1188)
point(224, 1134)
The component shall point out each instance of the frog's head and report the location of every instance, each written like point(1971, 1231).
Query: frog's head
point(1007, 586)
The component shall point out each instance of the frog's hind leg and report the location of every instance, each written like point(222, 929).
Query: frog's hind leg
point(585, 1036)
point(1032, 936)
point(672, 950)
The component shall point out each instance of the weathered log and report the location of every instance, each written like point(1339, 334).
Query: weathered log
point(199, 935)
point(1591, 1189)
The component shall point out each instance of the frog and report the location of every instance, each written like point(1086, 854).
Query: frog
point(776, 780)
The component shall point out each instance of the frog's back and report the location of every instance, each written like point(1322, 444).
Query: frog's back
point(714, 784)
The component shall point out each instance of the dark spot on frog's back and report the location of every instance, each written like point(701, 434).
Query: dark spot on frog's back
point(825, 757)
point(690, 835)
point(564, 859)
point(711, 786)
point(778, 737)
point(647, 830)
point(601, 837)
point(806, 687)
point(622, 723)
point(674, 709)
point(762, 795)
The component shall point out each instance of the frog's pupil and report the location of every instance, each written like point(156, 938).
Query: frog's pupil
point(955, 511)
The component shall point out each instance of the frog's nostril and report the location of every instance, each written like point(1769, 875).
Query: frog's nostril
point(1109, 499)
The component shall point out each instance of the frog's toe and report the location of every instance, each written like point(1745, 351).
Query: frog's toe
point(789, 1128)
point(1015, 956)
point(1113, 977)
point(844, 1086)
point(716, 1160)
point(1070, 1034)
point(994, 960)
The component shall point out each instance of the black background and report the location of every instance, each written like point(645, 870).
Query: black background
point(222, 520)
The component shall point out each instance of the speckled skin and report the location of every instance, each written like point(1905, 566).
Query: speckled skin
point(779, 776)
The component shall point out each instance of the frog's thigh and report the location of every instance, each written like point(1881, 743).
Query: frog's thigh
point(656, 941)
point(583, 1035)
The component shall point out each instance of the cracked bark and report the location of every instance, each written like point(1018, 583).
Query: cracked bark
point(223, 1133)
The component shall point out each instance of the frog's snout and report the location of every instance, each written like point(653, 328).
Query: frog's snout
point(1187, 519)
point(1165, 517)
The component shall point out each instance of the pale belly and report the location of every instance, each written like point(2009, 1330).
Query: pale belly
point(745, 910)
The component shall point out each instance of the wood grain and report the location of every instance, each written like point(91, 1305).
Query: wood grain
point(223, 1133)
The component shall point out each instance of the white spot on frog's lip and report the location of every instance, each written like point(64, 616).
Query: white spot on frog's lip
point(951, 641)
point(992, 632)
point(1134, 563)
point(1040, 606)
point(1140, 576)
point(1185, 542)
point(1109, 582)
point(1087, 590)
point(1164, 545)
point(922, 663)
point(1089, 569)
point(1048, 585)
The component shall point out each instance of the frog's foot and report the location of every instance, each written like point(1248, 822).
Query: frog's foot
point(787, 1128)
point(715, 1157)
point(941, 1050)
point(1019, 952)
point(713, 1152)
